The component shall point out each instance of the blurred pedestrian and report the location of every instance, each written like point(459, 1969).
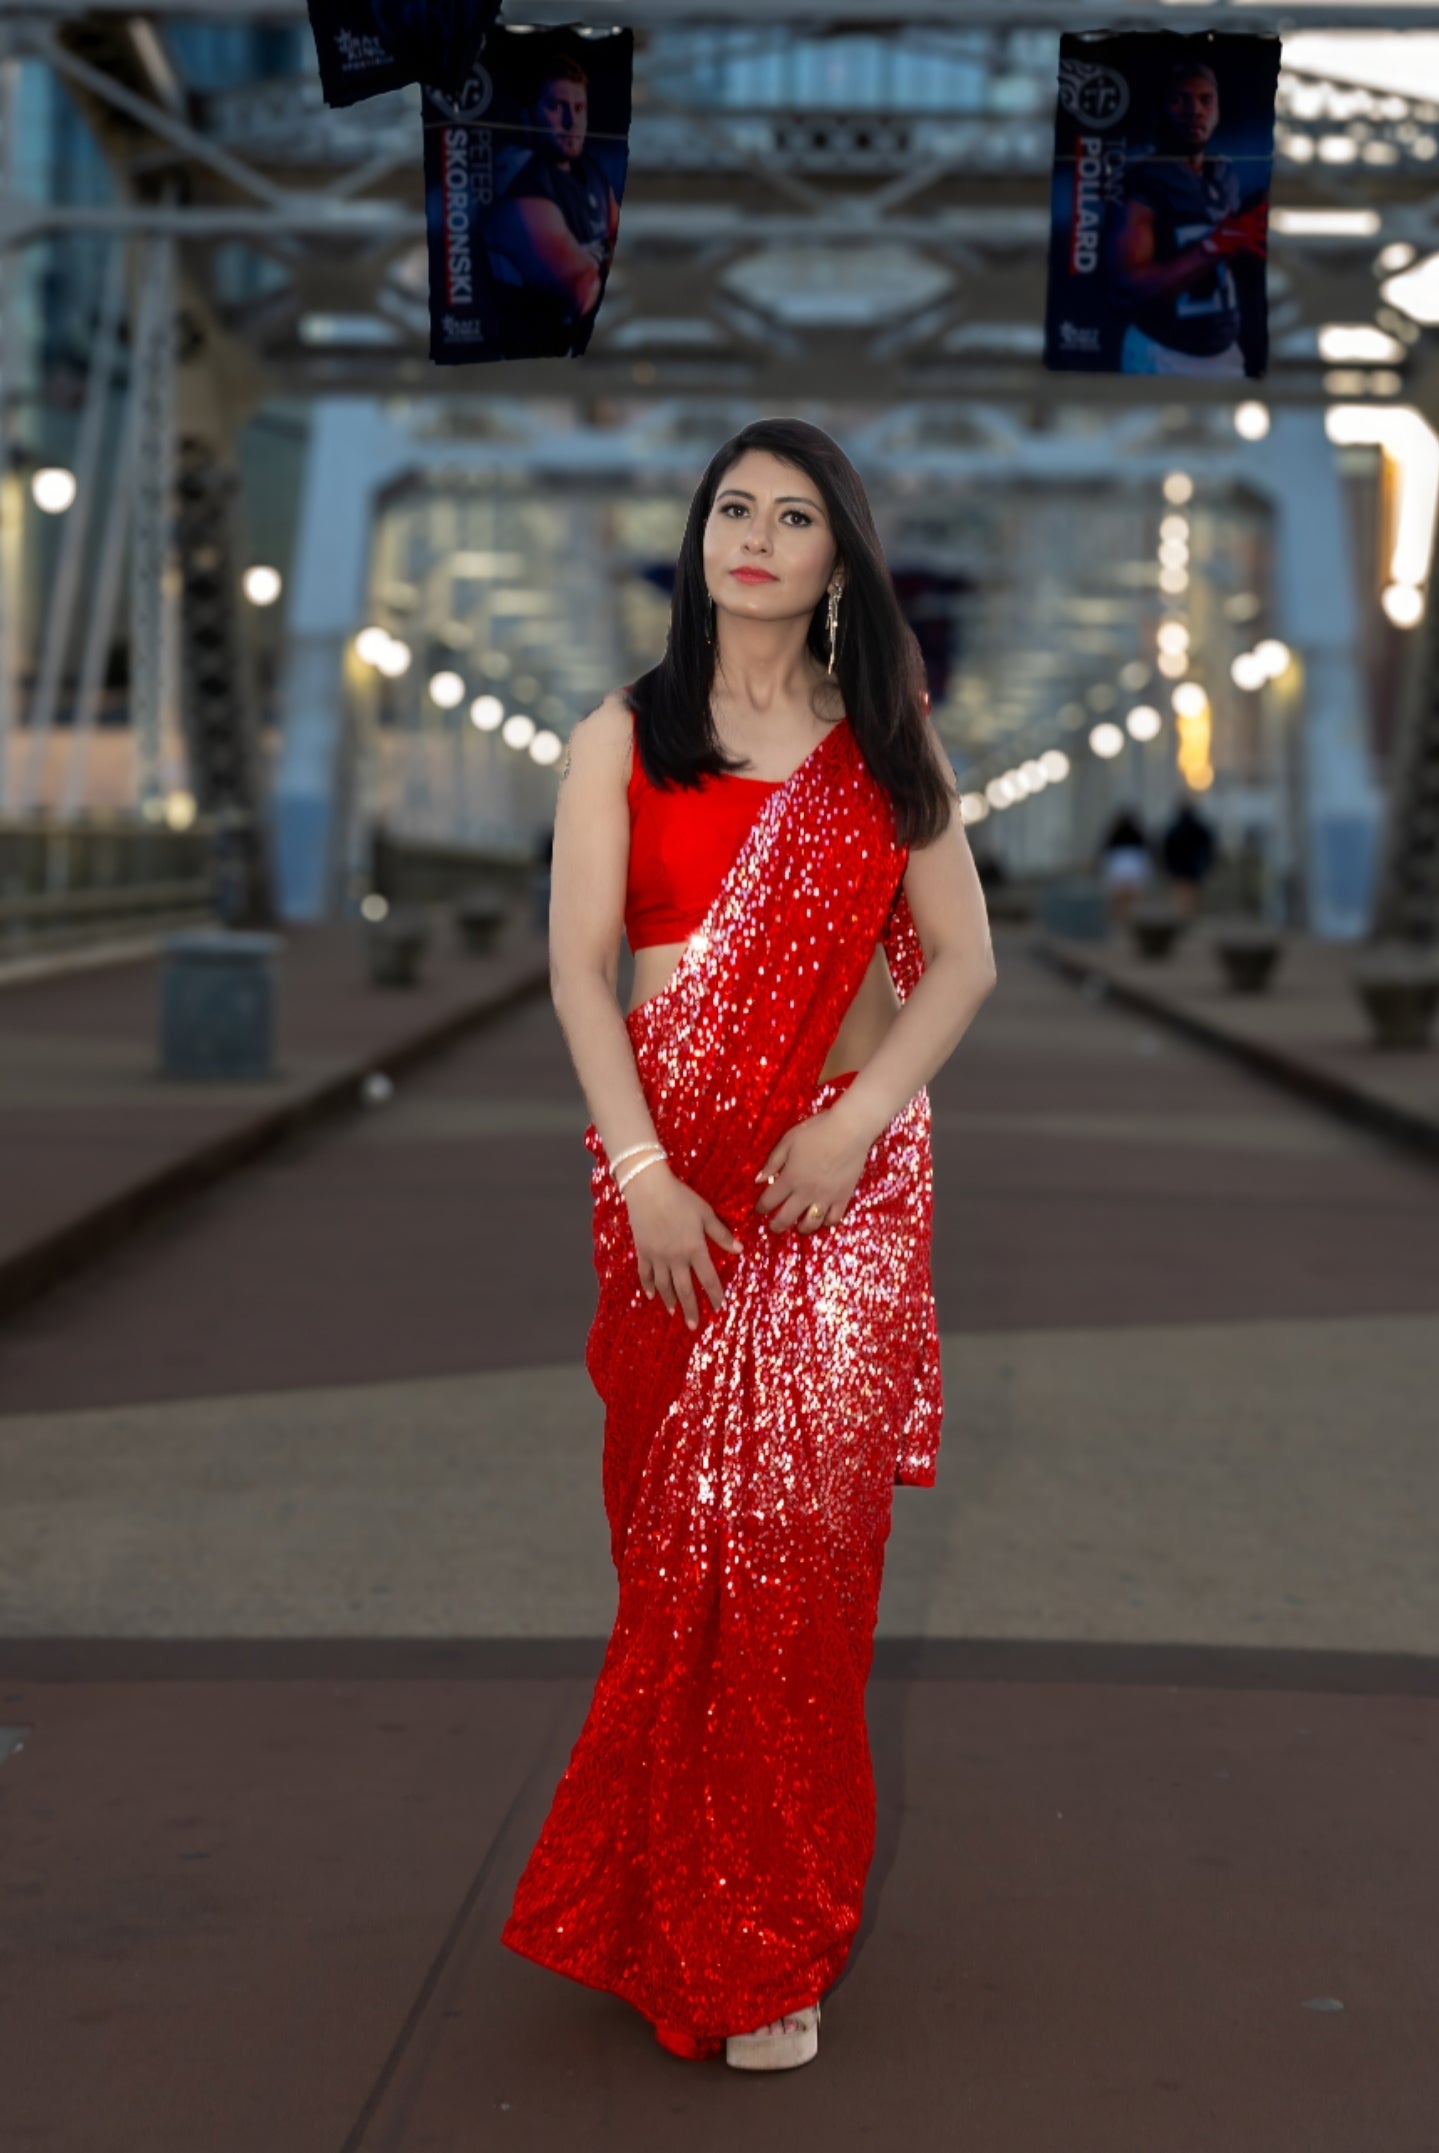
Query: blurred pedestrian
point(1125, 863)
point(1189, 851)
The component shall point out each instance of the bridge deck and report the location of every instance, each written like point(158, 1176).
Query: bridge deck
point(305, 1582)
point(93, 1137)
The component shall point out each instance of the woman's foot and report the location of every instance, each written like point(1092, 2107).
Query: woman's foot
point(694, 2048)
point(787, 2041)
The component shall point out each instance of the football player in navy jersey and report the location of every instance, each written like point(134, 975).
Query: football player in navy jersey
point(554, 226)
point(1183, 228)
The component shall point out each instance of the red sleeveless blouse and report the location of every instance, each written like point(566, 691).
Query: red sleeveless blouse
point(681, 845)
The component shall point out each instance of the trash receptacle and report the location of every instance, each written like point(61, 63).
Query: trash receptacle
point(217, 1005)
point(396, 947)
point(480, 916)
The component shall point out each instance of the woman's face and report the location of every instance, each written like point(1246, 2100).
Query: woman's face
point(769, 551)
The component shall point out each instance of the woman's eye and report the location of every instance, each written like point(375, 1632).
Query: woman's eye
point(737, 508)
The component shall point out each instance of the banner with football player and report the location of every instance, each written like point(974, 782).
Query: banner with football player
point(1164, 150)
point(366, 46)
point(524, 174)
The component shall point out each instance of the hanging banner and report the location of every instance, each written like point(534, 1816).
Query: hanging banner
point(1164, 149)
point(524, 174)
point(366, 46)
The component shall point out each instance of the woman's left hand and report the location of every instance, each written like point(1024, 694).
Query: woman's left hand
point(818, 1161)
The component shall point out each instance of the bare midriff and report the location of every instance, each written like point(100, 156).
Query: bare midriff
point(871, 1012)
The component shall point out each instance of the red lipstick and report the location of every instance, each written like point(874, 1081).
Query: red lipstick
point(753, 575)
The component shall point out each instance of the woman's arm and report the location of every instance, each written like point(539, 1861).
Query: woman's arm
point(952, 922)
point(671, 1224)
point(587, 899)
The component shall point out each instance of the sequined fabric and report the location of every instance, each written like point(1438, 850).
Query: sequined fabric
point(707, 1847)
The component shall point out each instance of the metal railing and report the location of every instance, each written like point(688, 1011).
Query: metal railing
point(416, 871)
point(82, 882)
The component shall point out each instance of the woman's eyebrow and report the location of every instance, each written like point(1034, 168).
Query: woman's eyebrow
point(739, 490)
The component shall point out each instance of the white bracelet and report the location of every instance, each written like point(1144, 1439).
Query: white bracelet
point(629, 1177)
point(630, 1152)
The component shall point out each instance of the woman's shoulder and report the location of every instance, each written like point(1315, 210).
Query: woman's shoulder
point(602, 740)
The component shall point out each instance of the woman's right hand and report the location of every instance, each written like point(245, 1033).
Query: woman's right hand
point(669, 1222)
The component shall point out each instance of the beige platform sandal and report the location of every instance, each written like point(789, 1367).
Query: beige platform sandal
point(790, 2040)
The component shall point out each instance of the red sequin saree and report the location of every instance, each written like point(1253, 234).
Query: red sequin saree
point(706, 1850)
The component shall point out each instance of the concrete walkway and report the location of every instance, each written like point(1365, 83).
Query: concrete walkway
point(1308, 1030)
point(305, 1584)
point(94, 1140)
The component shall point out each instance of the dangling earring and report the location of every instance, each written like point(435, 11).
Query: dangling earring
point(832, 623)
point(709, 620)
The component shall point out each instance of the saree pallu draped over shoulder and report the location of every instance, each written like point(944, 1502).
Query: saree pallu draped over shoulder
point(706, 1850)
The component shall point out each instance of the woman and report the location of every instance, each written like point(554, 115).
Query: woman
point(771, 815)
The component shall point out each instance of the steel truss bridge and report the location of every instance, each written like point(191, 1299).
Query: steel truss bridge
point(802, 225)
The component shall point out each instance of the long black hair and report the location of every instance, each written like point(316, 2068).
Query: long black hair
point(878, 667)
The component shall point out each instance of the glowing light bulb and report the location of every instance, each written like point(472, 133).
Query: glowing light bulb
point(53, 489)
point(1403, 603)
point(447, 690)
point(262, 586)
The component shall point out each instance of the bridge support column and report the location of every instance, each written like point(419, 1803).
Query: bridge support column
point(1341, 805)
point(350, 444)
